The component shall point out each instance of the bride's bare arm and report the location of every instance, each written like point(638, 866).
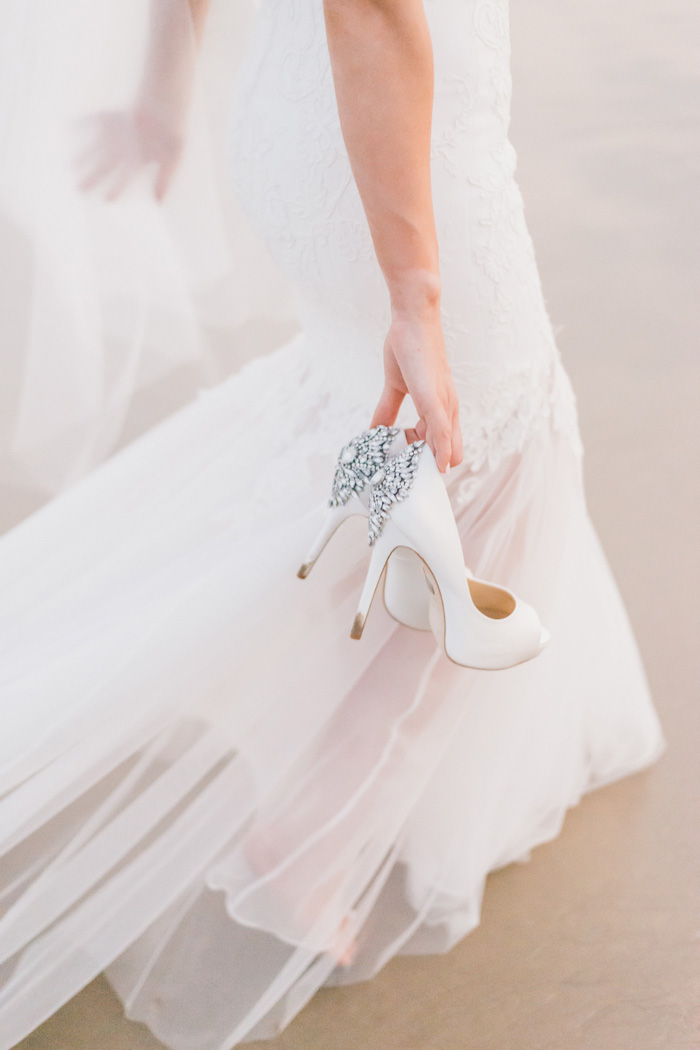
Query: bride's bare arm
point(176, 28)
point(382, 60)
point(151, 131)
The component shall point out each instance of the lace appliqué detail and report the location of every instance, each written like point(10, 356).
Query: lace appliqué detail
point(359, 462)
point(392, 485)
point(502, 413)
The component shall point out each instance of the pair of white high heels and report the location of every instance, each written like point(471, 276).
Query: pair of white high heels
point(417, 550)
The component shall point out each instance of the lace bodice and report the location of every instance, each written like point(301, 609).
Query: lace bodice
point(306, 205)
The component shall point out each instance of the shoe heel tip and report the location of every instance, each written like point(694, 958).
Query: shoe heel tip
point(358, 626)
point(305, 570)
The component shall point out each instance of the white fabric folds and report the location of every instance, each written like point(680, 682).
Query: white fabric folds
point(208, 790)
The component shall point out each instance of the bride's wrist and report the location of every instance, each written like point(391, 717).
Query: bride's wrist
point(415, 294)
point(165, 89)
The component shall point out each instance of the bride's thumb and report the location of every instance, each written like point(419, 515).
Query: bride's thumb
point(388, 407)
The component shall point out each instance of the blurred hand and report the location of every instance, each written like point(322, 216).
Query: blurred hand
point(415, 363)
point(120, 144)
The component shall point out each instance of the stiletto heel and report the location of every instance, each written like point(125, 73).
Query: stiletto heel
point(478, 623)
point(405, 594)
point(357, 464)
point(377, 565)
point(335, 516)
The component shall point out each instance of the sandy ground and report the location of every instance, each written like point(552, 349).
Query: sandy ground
point(595, 944)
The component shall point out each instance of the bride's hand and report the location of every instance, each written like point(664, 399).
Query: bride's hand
point(415, 363)
point(120, 144)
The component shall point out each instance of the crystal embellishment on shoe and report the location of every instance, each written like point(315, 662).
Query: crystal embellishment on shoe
point(405, 594)
point(359, 461)
point(391, 484)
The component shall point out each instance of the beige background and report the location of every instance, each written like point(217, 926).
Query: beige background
point(595, 944)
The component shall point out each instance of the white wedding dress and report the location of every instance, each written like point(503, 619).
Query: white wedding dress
point(209, 790)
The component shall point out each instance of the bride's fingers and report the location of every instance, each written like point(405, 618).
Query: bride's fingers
point(166, 170)
point(102, 166)
point(421, 429)
point(457, 444)
point(388, 407)
point(439, 438)
point(121, 177)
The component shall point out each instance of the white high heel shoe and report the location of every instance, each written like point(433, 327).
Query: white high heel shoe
point(406, 595)
point(478, 623)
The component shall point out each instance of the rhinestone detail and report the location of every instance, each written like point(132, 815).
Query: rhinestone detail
point(359, 461)
point(394, 486)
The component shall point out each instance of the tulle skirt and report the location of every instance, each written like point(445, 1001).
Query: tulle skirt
point(210, 790)
point(207, 789)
